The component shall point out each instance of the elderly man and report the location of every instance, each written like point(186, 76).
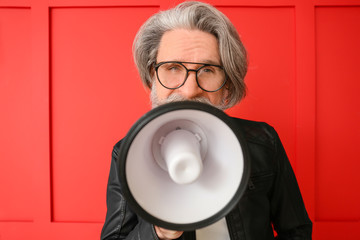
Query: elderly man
point(193, 52)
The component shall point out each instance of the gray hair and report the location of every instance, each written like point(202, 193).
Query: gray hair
point(203, 17)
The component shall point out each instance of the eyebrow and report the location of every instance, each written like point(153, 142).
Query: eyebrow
point(211, 62)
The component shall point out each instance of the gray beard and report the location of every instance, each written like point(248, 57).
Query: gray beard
point(177, 97)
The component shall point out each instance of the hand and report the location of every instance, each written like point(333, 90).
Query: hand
point(165, 234)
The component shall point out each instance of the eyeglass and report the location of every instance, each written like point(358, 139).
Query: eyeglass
point(173, 75)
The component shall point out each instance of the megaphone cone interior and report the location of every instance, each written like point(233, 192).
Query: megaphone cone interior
point(181, 151)
point(183, 165)
point(179, 148)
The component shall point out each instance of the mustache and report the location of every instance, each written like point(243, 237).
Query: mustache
point(175, 97)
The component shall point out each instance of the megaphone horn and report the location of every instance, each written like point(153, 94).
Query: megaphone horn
point(183, 165)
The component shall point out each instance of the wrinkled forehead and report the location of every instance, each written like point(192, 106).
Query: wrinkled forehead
point(189, 46)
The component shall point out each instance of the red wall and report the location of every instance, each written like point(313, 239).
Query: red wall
point(69, 90)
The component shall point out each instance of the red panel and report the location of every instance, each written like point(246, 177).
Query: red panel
point(338, 115)
point(16, 131)
point(96, 96)
point(16, 230)
point(336, 230)
point(269, 36)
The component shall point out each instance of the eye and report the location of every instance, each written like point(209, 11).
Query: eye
point(207, 70)
point(174, 67)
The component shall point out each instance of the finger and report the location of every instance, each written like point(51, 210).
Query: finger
point(166, 234)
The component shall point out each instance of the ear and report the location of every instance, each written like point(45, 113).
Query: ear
point(152, 76)
point(149, 85)
point(226, 93)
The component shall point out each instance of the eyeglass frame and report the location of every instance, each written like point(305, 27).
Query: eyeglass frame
point(157, 65)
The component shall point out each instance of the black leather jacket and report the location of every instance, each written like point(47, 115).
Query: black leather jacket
point(272, 200)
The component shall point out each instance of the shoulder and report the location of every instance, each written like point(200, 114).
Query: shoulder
point(257, 132)
point(116, 149)
point(262, 143)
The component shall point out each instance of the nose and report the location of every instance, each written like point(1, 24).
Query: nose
point(190, 89)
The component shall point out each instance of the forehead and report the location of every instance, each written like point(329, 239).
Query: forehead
point(188, 46)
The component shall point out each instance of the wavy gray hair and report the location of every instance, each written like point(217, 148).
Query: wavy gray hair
point(200, 16)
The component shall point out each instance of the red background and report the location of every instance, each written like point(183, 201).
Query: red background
point(69, 90)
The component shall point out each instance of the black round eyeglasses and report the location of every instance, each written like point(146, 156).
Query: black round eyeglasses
point(173, 75)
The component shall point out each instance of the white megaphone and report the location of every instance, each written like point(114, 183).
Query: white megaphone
point(183, 165)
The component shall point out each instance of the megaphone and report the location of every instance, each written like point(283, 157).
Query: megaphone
point(183, 165)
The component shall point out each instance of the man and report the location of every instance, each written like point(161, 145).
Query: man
point(193, 52)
